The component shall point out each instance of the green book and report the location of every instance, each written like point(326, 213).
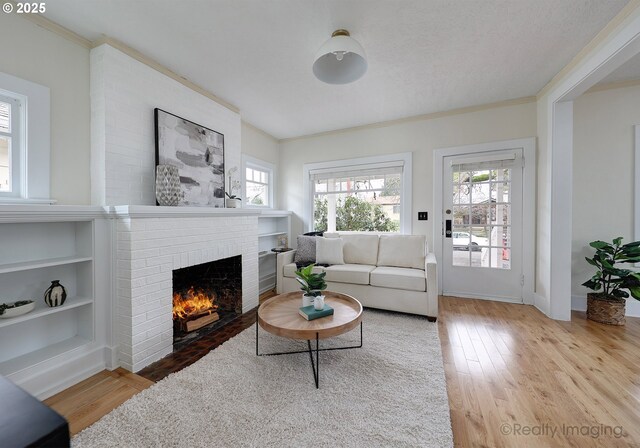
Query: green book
point(310, 313)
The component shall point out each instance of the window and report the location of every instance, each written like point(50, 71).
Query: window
point(25, 130)
point(258, 183)
point(369, 194)
point(10, 149)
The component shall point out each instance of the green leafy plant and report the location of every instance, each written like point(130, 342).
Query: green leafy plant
point(610, 281)
point(312, 283)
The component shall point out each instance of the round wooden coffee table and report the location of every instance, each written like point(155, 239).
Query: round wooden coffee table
point(279, 316)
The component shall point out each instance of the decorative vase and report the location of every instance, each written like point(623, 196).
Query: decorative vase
point(168, 191)
point(232, 203)
point(318, 303)
point(605, 309)
point(307, 300)
point(55, 295)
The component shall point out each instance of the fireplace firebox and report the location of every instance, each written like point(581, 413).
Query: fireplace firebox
point(205, 297)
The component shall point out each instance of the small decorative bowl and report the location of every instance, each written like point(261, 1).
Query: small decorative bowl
point(17, 310)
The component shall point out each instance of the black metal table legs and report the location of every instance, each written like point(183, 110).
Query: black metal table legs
point(315, 364)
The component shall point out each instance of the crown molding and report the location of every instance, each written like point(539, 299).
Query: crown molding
point(598, 40)
point(614, 85)
point(429, 116)
point(260, 131)
point(55, 28)
point(66, 33)
point(140, 57)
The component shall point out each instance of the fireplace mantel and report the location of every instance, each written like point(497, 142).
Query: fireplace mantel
point(150, 211)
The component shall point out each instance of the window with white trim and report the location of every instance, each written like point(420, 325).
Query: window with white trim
point(10, 146)
point(258, 183)
point(369, 194)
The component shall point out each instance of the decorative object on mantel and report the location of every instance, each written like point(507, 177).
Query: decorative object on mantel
point(168, 190)
point(198, 153)
point(607, 304)
point(233, 201)
point(9, 310)
point(55, 295)
point(312, 284)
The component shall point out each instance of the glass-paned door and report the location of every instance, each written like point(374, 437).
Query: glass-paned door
point(483, 225)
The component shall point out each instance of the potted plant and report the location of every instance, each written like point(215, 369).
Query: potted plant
point(607, 304)
point(232, 200)
point(312, 286)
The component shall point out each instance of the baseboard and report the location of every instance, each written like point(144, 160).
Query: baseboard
point(541, 302)
point(632, 309)
point(483, 297)
point(48, 382)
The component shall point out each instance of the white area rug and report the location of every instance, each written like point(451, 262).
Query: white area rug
point(390, 392)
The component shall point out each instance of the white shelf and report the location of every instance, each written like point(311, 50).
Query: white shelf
point(37, 264)
point(272, 234)
point(69, 304)
point(37, 356)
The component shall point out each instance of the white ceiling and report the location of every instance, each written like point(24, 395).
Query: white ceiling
point(424, 55)
point(628, 71)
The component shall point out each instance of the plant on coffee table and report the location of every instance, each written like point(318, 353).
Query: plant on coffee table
point(312, 284)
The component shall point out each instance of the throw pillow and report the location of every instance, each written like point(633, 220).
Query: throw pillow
point(329, 251)
point(306, 251)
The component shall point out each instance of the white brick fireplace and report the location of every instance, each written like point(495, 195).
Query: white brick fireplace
point(153, 241)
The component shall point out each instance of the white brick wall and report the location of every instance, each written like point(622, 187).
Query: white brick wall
point(124, 93)
point(148, 250)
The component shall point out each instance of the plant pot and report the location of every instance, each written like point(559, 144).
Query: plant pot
point(232, 203)
point(605, 309)
point(318, 302)
point(307, 300)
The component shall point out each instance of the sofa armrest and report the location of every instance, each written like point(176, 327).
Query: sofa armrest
point(282, 259)
point(431, 271)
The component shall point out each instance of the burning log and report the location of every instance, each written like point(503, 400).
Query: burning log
point(201, 321)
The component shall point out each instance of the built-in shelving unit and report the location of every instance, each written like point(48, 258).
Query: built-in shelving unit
point(34, 253)
point(272, 225)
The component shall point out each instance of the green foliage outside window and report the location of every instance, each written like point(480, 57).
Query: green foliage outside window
point(354, 214)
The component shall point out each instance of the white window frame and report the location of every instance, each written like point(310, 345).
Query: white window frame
point(16, 148)
point(404, 159)
point(258, 164)
point(34, 151)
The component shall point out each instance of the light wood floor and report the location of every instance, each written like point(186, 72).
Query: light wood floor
point(508, 368)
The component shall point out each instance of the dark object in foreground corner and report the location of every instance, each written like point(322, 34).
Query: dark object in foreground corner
point(26, 422)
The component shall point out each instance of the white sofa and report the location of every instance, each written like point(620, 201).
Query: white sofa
point(390, 272)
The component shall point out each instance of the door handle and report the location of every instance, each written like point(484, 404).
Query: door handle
point(447, 228)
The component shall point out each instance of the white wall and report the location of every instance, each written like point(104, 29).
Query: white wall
point(603, 164)
point(420, 136)
point(260, 145)
point(124, 93)
point(38, 55)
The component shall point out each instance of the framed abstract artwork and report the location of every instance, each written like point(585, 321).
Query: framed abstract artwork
point(197, 152)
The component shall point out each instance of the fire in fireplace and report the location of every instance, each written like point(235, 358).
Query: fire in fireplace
point(194, 310)
point(205, 297)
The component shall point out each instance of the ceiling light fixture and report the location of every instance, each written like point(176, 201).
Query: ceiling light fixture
point(340, 60)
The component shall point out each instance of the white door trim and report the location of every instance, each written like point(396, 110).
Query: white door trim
point(528, 146)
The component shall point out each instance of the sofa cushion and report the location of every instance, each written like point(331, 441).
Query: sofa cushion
point(402, 251)
point(360, 248)
point(290, 269)
point(349, 273)
point(306, 250)
point(399, 278)
point(329, 251)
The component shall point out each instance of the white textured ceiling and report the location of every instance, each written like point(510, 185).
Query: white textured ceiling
point(424, 55)
point(628, 71)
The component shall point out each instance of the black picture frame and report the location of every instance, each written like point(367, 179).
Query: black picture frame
point(198, 153)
